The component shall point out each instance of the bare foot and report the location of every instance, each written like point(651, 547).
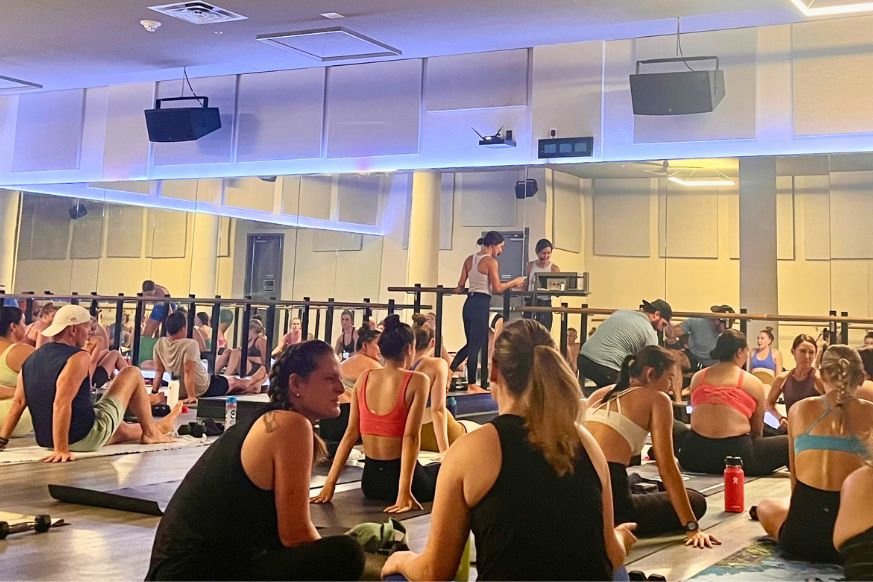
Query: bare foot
point(156, 399)
point(155, 439)
point(476, 389)
point(168, 423)
point(254, 384)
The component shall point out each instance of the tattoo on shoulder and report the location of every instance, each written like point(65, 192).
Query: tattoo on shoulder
point(270, 423)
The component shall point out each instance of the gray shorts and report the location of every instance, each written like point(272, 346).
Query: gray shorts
point(108, 416)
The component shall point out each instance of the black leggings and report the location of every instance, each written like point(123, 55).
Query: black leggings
point(652, 512)
point(476, 309)
point(381, 479)
point(808, 531)
point(761, 455)
point(331, 558)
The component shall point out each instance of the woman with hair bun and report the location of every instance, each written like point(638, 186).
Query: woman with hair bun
point(385, 413)
point(797, 384)
point(532, 485)
point(620, 418)
point(439, 429)
point(242, 511)
point(766, 357)
point(543, 264)
point(828, 437)
point(728, 415)
point(483, 273)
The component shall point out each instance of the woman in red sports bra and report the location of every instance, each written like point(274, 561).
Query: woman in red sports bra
point(728, 415)
point(386, 410)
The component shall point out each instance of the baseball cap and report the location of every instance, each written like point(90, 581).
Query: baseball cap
point(722, 309)
point(65, 317)
point(659, 305)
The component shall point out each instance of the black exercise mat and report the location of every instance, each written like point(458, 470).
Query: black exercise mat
point(703, 483)
point(153, 499)
point(349, 508)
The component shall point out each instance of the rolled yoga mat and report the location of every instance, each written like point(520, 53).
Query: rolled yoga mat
point(703, 483)
point(153, 499)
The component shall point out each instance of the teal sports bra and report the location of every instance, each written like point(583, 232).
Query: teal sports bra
point(816, 442)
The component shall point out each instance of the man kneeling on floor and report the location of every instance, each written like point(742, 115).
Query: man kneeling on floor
point(179, 355)
point(55, 386)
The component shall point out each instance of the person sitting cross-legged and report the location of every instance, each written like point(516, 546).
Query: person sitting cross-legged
point(180, 355)
point(55, 387)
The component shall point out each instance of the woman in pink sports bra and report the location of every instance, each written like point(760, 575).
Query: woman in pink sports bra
point(386, 410)
point(728, 415)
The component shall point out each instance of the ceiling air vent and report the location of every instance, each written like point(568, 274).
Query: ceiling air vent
point(335, 43)
point(197, 12)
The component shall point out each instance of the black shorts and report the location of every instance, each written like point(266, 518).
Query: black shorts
point(218, 386)
point(808, 531)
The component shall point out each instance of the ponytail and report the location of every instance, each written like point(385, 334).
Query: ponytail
point(538, 375)
point(553, 406)
point(634, 365)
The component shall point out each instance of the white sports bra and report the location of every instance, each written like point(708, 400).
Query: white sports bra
point(630, 431)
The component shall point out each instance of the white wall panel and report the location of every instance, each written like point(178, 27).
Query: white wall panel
point(487, 198)
point(373, 109)
point(812, 196)
point(48, 132)
point(314, 198)
point(734, 118)
point(622, 217)
point(51, 227)
point(166, 234)
point(567, 211)
point(87, 237)
point(126, 149)
point(784, 218)
point(478, 80)
point(250, 193)
point(850, 211)
point(688, 223)
point(215, 147)
point(280, 115)
point(358, 198)
point(833, 72)
point(332, 241)
point(124, 226)
point(567, 90)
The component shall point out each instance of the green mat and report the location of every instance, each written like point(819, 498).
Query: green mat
point(763, 561)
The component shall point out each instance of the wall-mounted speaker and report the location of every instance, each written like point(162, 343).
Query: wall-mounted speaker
point(526, 188)
point(677, 93)
point(181, 123)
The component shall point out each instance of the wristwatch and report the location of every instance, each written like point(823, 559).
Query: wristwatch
point(691, 526)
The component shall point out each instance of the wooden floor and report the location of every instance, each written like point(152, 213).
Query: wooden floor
point(112, 545)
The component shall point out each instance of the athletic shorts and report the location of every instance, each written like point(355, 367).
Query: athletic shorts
point(218, 386)
point(160, 311)
point(108, 416)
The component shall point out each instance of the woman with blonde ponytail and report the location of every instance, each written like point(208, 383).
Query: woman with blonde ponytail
point(532, 485)
point(827, 443)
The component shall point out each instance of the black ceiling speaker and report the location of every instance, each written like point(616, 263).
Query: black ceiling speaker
point(78, 210)
point(677, 93)
point(526, 188)
point(181, 123)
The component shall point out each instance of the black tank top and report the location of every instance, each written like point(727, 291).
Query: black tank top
point(217, 520)
point(857, 556)
point(534, 525)
point(40, 374)
point(794, 390)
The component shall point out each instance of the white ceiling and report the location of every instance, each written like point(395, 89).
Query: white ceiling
point(85, 43)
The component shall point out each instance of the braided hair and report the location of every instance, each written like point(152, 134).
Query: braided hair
point(842, 367)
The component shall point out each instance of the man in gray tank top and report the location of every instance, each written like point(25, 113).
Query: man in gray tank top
point(623, 333)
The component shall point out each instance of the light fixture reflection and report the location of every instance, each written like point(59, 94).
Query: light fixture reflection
point(807, 9)
point(701, 182)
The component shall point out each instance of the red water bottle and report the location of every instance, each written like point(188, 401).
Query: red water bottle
point(734, 485)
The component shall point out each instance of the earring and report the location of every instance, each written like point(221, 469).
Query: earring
point(297, 394)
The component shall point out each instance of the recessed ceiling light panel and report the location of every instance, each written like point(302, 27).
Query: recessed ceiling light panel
point(198, 12)
point(336, 43)
point(831, 7)
point(332, 15)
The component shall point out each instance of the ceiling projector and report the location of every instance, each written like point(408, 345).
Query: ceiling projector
point(498, 140)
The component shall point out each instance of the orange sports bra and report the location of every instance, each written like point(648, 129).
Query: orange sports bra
point(392, 424)
point(732, 396)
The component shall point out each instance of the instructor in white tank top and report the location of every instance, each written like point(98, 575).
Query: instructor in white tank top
point(483, 273)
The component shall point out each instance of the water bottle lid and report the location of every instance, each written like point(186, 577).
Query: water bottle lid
point(733, 461)
point(231, 400)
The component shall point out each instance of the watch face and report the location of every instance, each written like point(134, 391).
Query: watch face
point(691, 526)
